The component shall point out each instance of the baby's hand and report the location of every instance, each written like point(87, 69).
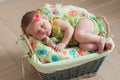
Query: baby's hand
point(59, 47)
point(49, 42)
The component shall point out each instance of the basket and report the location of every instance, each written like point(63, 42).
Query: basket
point(80, 66)
point(86, 70)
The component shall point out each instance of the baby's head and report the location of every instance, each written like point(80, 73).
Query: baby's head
point(35, 25)
point(26, 19)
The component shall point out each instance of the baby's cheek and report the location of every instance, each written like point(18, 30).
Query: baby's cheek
point(39, 38)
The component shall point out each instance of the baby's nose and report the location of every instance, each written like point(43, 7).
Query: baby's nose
point(42, 30)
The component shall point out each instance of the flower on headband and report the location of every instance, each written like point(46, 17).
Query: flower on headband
point(36, 17)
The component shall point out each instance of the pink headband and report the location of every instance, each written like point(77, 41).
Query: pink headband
point(36, 18)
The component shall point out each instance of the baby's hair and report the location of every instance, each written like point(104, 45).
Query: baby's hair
point(26, 19)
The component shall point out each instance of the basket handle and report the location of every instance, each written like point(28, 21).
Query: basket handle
point(107, 27)
point(31, 52)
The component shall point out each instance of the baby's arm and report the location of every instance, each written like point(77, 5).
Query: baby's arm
point(49, 42)
point(68, 29)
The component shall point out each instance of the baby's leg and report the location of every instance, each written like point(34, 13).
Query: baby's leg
point(88, 46)
point(83, 34)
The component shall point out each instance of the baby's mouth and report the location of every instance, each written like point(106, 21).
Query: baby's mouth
point(44, 33)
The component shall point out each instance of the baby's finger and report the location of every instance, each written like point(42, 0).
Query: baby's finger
point(46, 40)
point(48, 43)
point(58, 48)
point(53, 46)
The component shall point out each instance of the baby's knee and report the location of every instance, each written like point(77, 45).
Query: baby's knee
point(78, 35)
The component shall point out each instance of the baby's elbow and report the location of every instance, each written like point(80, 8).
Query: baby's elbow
point(72, 30)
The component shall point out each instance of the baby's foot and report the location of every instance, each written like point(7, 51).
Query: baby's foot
point(101, 44)
point(108, 45)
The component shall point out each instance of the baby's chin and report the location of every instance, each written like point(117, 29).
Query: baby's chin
point(41, 38)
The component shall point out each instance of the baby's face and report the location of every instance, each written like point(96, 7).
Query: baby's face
point(40, 29)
